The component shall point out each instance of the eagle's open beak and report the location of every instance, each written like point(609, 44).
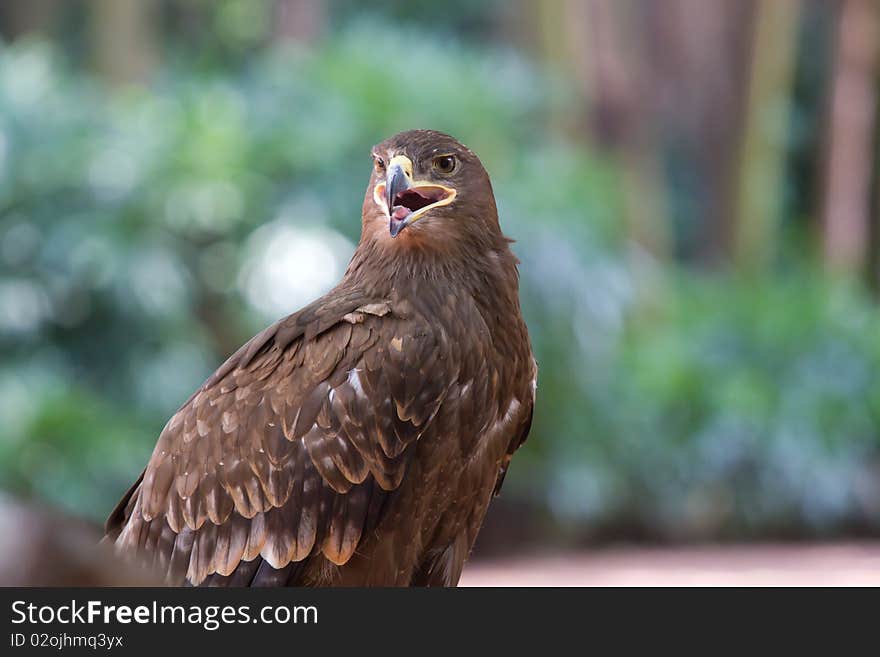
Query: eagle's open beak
point(405, 200)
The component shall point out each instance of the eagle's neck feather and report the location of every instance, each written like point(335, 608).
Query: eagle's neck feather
point(486, 272)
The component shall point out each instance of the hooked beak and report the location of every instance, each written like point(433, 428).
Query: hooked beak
point(404, 200)
point(397, 182)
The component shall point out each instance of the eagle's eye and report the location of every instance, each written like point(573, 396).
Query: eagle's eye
point(379, 164)
point(444, 163)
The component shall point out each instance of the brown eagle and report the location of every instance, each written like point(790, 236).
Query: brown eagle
point(359, 440)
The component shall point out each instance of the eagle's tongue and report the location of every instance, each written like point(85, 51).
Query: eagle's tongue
point(398, 219)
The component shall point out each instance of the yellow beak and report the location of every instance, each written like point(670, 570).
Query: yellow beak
point(405, 200)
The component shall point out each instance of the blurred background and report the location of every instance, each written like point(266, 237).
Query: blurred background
point(693, 186)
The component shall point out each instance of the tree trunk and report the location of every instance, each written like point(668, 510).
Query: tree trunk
point(300, 20)
point(124, 39)
point(762, 168)
point(847, 203)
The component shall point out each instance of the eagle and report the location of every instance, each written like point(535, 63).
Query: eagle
point(358, 441)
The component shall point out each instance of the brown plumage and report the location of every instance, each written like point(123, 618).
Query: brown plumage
point(359, 440)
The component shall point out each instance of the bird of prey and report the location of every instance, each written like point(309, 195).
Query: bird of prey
point(359, 440)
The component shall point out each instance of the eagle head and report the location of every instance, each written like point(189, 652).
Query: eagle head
point(429, 186)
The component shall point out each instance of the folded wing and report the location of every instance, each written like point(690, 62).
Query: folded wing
point(291, 447)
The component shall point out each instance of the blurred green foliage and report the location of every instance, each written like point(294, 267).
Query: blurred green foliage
point(671, 403)
point(737, 408)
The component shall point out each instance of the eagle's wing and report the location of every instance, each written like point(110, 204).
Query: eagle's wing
point(290, 447)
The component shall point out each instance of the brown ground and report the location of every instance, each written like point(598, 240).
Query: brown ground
point(827, 564)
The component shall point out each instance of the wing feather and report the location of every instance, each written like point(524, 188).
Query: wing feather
point(287, 451)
